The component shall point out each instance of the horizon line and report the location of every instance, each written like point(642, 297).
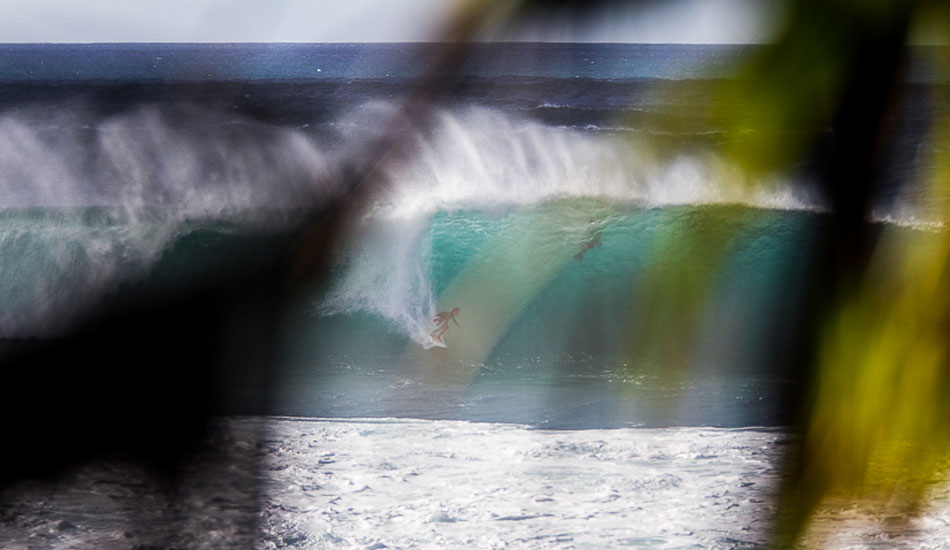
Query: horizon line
point(406, 42)
point(421, 42)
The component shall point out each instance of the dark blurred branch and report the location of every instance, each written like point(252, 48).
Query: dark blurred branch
point(847, 167)
point(140, 375)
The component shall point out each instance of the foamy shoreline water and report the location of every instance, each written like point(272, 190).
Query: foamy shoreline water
point(281, 482)
point(436, 484)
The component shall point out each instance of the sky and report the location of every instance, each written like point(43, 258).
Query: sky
point(672, 21)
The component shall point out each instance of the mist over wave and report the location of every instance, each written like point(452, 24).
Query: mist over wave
point(195, 161)
point(92, 201)
point(483, 159)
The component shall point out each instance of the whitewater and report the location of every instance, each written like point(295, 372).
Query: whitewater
point(403, 483)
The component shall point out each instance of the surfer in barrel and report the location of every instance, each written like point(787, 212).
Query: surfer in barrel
point(589, 244)
point(441, 320)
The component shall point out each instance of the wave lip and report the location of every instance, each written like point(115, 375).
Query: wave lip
point(478, 158)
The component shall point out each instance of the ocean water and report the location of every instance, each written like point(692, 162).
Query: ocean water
point(535, 200)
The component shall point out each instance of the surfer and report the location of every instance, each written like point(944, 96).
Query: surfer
point(588, 245)
point(441, 320)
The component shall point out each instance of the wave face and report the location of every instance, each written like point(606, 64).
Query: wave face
point(550, 299)
point(593, 252)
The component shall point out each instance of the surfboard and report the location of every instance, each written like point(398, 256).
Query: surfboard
point(433, 343)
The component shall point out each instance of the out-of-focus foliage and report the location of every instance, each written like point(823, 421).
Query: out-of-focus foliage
point(879, 425)
point(796, 85)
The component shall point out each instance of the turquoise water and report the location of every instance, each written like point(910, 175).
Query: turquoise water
point(549, 336)
point(559, 305)
point(553, 296)
point(583, 305)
